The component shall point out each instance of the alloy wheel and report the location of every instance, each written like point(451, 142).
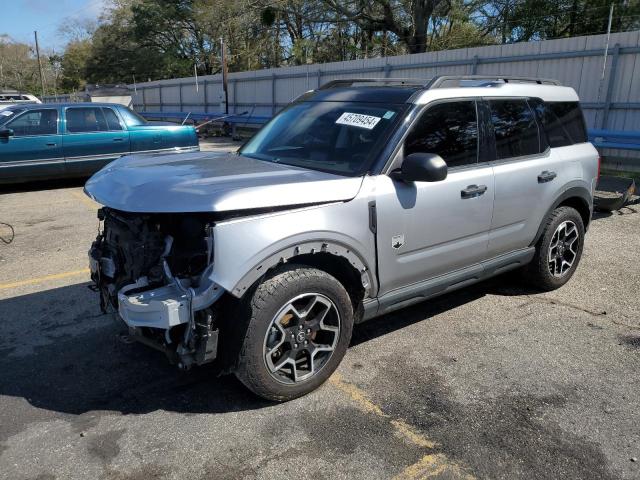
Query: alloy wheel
point(301, 338)
point(563, 249)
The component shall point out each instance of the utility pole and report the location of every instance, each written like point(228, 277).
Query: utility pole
point(35, 33)
point(223, 59)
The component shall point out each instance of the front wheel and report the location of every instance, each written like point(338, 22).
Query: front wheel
point(558, 251)
point(300, 324)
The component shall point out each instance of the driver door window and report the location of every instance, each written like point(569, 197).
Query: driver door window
point(447, 129)
point(35, 122)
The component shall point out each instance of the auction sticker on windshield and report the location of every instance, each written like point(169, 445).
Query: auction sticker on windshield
point(358, 120)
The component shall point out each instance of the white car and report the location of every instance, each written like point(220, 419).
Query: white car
point(9, 99)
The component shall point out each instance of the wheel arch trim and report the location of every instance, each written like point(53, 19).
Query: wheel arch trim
point(306, 247)
point(582, 194)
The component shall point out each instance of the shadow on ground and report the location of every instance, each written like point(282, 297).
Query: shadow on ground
point(39, 185)
point(74, 361)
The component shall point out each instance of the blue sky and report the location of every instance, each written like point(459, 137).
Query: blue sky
point(19, 18)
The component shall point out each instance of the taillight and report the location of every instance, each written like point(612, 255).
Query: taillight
point(599, 161)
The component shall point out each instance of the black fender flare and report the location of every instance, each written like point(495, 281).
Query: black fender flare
point(582, 193)
point(285, 255)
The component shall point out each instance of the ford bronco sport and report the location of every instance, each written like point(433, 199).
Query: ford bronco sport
point(359, 198)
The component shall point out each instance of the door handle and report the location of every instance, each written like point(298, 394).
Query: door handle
point(119, 139)
point(473, 191)
point(51, 144)
point(546, 176)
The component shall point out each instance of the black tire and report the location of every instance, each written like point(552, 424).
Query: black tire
point(263, 304)
point(539, 272)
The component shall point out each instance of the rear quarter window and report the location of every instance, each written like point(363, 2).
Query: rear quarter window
point(563, 122)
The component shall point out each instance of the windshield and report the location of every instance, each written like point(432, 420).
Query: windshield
point(335, 137)
point(8, 113)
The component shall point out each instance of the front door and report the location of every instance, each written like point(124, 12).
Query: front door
point(34, 146)
point(94, 136)
point(428, 229)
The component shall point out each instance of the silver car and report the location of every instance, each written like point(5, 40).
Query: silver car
point(359, 198)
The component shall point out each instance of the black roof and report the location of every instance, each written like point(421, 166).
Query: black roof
point(400, 90)
point(365, 94)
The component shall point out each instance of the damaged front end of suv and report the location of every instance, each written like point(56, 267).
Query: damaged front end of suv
point(184, 237)
point(154, 270)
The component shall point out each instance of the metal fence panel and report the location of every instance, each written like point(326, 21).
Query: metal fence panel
point(576, 62)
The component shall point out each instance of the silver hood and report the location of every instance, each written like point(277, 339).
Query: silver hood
point(211, 182)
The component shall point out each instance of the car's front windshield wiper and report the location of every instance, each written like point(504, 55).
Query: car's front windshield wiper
point(285, 148)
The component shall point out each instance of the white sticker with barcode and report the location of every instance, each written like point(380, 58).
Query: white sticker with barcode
point(358, 120)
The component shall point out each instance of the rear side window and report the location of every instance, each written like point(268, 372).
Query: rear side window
point(35, 122)
point(515, 128)
point(448, 129)
point(85, 119)
point(563, 122)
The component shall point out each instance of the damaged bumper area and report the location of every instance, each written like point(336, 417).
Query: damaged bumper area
point(154, 271)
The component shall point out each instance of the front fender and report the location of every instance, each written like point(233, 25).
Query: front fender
point(245, 248)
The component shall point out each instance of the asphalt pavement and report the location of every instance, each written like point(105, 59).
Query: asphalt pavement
point(495, 381)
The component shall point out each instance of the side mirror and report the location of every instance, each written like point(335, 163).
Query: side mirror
point(422, 167)
point(6, 133)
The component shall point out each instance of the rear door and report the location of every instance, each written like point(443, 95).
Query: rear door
point(35, 148)
point(529, 175)
point(428, 229)
point(94, 136)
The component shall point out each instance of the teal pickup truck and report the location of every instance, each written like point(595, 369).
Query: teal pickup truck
point(44, 141)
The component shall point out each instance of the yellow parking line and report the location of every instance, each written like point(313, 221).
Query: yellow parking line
point(356, 395)
point(45, 279)
point(429, 465)
point(84, 199)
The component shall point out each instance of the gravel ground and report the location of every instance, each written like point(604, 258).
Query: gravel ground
point(495, 381)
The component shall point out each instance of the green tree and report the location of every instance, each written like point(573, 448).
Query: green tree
point(74, 65)
point(525, 20)
point(18, 66)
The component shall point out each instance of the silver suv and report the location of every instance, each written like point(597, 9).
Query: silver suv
point(359, 198)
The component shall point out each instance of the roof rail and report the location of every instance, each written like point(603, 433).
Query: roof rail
point(346, 82)
point(437, 82)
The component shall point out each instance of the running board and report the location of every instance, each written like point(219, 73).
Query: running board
point(449, 282)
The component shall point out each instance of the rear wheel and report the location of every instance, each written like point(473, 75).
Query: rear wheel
point(300, 323)
point(558, 251)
